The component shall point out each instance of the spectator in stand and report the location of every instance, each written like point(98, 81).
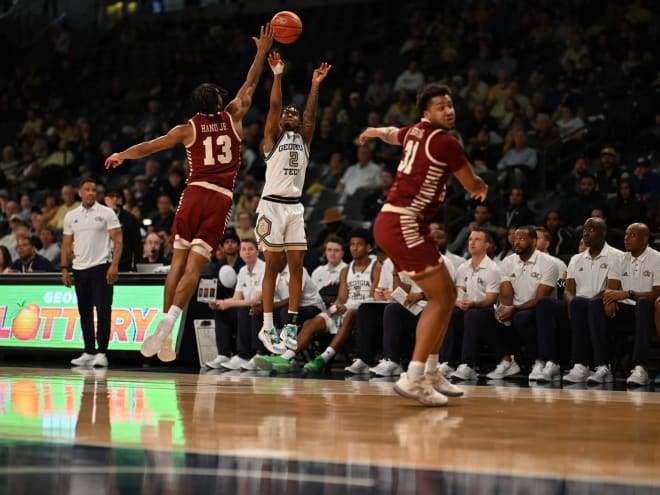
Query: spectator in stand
point(517, 164)
point(578, 207)
point(29, 260)
point(69, 202)
point(334, 225)
point(481, 218)
point(544, 139)
point(441, 242)
point(570, 183)
point(484, 155)
point(475, 91)
point(17, 230)
point(378, 92)
point(498, 93)
point(609, 172)
point(645, 181)
point(245, 226)
point(132, 252)
point(411, 79)
point(372, 203)
point(174, 185)
point(164, 217)
point(402, 112)
point(626, 208)
point(633, 285)
point(50, 249)
point(332, 175)
point(478, 121)
point(571, 128)
point(517, 212)
point(151, 250)
point(364, 174)
point(8, 167)
point(248, 200)
point(166, 245)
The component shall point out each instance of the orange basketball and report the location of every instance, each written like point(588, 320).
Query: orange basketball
point(286, 26)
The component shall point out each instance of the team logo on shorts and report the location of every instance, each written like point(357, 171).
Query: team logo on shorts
point(263, 227)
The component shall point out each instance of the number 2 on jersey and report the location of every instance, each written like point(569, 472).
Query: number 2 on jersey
point(406, 163)
point(224, 142)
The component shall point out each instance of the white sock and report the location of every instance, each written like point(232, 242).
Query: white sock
point(268, 321)
point(174, 312)
point(328, 354)
point(288, 354)
point(415, 370)
point(431, 363)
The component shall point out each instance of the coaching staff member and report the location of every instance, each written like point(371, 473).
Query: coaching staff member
point(86, 235)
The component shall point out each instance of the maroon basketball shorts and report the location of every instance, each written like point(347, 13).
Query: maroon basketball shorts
point(407, 241)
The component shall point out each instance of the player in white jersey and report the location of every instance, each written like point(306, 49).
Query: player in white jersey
point(280, 226)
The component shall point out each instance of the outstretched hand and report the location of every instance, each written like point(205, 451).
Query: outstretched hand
point(319, 74)
point(369, 132)
point(265, 40)
point(114, 160)
point(275, 62)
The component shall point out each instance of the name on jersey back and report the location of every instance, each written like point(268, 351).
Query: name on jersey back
point(213, 127)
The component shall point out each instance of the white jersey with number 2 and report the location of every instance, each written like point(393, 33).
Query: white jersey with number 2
point(286, 165)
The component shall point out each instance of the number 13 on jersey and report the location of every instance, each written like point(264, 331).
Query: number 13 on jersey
point(223, 143)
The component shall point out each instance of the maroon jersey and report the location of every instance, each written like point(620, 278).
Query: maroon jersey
point(214, 156)
point(430, 156)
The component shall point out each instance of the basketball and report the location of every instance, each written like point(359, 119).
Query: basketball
point(286, 26)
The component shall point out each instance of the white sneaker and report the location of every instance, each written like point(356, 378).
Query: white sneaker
point(550, 372)
point(249, 365)
point(271, 340)
point(358, 367)
point(504, 369)
point(420, 390)
point(100, 360)
point(154, 342)
point(446, 369)
point(83, 360)
point(464, 372)
point(578, 374)
point(166, 353)
point(602, 374)
point(235, 363)
point(444, 386)
point(639, 376)
point(537, 369)
point(386, 367)
point(217, 362)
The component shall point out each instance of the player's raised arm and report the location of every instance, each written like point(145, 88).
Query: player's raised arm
point(272, 129)
point(387, 134)
point(309, 118)
point(179, 134)
point(239, 106)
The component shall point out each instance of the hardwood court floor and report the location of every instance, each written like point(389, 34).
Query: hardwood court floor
point(145, 432)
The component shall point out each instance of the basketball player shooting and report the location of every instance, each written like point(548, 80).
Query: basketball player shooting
point(430, 156)
point(280, 227)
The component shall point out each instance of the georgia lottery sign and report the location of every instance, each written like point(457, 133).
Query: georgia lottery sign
point(47, 316)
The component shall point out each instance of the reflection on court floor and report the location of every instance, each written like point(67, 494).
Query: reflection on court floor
point(92, 431)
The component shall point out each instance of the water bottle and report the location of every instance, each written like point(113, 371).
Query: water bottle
point(499, 309)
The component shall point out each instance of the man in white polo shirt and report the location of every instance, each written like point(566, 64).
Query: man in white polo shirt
point(478, 286)
point(86, 237)
point(527, 276)
point(628, 302)
point(587, 277)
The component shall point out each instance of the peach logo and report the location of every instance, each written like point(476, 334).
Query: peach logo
point(26, 323)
